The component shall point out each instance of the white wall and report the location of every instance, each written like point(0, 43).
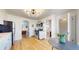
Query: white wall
point(54, 25)
point(44, 21)
point(72, 26)
point(76, 14)
point(32, 26)
point(16, 20)
point(77, 27)
point(17, 24)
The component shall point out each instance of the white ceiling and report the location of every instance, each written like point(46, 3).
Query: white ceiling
point(47, 12)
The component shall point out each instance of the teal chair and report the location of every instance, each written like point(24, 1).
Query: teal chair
point(62, 38)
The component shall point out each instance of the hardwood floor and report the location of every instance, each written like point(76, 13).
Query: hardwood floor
point(31, 44)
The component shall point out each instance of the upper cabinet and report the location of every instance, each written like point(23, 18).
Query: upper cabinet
point(1, 22)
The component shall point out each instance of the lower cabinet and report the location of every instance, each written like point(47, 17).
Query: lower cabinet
point(2, 45)
point(8, 44)
point(5, 43)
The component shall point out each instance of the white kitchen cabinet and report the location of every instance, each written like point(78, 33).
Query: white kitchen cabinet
point(1, 22)
point(41, 35)
point(5, 41)
point(1, 44)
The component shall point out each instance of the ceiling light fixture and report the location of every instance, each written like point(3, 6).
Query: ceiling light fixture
point(34, 12)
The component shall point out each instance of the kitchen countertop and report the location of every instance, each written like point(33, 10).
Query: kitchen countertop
point(4, 35)
point(67, 46)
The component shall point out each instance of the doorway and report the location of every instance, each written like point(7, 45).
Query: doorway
point(63, 27)
point(25, 28)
